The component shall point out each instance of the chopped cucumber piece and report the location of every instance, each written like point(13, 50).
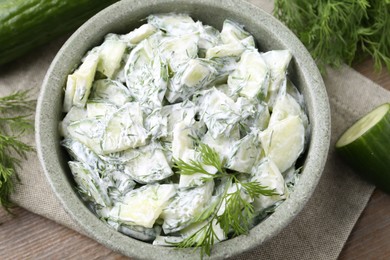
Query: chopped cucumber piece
point(244, 153)
point(219, 112)
point(156, 124)
point(173, 24)
point(137, 69)
point(167, 240)
point(88, 131)
point(251, 77)
point(177, 51)
point(74, 114)
point(267, 174)
point(186, 205)
point(225, 50)
point(224, 66)
point(84, 77)
point(222, 144)
point(225, 89)
point(70, 89)
point(283, 142)
point(365, 146)
point(125, 129)
point(139, 232)
point(196, 74)
point(90, 184)
point(233, 32)
point(81, 153)
point(179, 112)
point(258, 118)
point(111, 53)
point(292, 90)
point(277, 62)
point(146, 75)
point(149, 165)
point(110, 91)
point(142, 206)
point(181, 140)
point(285, 106)
point(121, 184)
point(100, 109)
point(209, 37)
point(139, 34)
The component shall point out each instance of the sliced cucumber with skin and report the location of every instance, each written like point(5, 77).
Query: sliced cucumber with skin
point(366, 146)
point(69, 93)
point(83, 78)
point(139, 34)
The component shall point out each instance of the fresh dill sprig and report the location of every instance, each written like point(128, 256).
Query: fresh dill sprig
point(233, 210)
point(204, 239)
point(208, 156)
point(16, 110)
point(190, 168)
point(337, 32)
point(238, 212)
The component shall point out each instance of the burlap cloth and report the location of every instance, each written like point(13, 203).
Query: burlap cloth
point(318, 232)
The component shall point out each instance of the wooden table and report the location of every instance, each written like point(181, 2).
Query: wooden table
point(29, 236)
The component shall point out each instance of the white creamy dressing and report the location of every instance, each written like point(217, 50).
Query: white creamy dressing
point(143, 98)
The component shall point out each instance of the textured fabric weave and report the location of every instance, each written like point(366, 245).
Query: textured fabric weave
point(318, 232)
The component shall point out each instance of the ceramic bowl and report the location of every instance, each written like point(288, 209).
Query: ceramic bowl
point(127, 15)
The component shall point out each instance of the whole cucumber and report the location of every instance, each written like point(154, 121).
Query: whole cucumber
point(26, 24)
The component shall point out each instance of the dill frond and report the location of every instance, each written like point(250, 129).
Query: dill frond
point(210, 157)
point(16, 110)
point(337, 32)
point(203, 239)
point(193, 167)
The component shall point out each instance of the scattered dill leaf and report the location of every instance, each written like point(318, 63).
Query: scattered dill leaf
point(16, 112)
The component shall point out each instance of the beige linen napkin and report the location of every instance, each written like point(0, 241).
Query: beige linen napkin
point(318, 232)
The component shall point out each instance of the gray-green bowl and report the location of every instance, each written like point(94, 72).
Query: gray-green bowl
point(125, 16)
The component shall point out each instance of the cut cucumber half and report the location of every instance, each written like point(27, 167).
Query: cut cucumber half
point(366, 146)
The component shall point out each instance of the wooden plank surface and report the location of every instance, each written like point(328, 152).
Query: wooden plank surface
point(25, 235)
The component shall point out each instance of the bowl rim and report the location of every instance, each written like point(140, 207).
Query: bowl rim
point(93, 227)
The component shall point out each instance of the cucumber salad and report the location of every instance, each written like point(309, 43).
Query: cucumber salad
point(183, 135)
